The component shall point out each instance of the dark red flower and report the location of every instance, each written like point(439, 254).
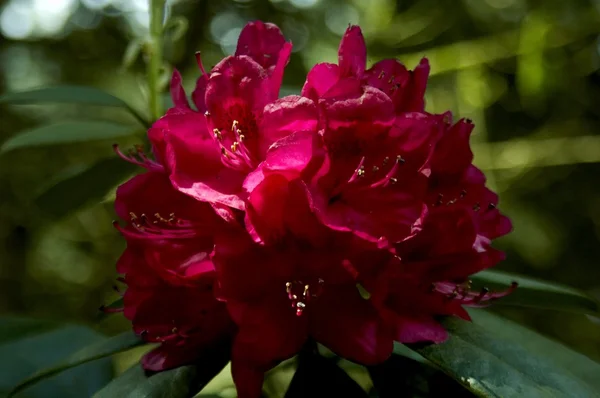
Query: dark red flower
point(347, 215)
point(404, 88)
point(451, 241)
point(378, 139)
point(187, 320)
point(377, 187)
point(456, 181)
point(168, 271)
point(209, 152)
point(294, 285)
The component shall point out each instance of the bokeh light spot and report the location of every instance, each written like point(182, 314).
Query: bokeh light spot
point(337, 19)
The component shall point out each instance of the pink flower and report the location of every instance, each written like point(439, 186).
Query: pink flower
point(379, 142)
point(348, 215)
point(209, 152)
point(168, 271)
point(376, 187)
point(294, 286)
point(456, 181)
point(450, 241)
point(404, 88)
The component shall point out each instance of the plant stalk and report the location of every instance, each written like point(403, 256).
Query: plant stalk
point(155, 58)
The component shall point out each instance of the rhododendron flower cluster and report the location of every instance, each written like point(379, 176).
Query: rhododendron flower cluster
point(347, 215)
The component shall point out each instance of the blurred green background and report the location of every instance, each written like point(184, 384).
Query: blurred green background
point(525, 71)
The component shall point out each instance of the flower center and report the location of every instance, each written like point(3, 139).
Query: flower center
point(363, 179)
point(141, 222)
point(300, 293)
point(158, 226)
point(235, 154)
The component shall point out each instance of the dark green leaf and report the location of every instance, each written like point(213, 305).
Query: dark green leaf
point(18, 328)
point(400, 376)
point(536, 293)
point(87, 187)
point(72, 94)
point(68, 94)
point(560, 355)
point(101, 349)
point(182, 382)
point(317, 376)
point(40, 345)
point(67, 133)
point(134, 383)
point(493, 367)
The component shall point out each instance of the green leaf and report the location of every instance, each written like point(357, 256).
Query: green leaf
point(18, 328)
point(87, 187)
point(172, 383)
point(67, 133)
point(101, 349)
point(537, 293)
point(42, 343)
point(401, 376)
point(182, 382)
point(490, 366)
point(69, 94)
point(320, 376)
point(578, 364)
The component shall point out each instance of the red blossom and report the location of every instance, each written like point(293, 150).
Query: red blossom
point(294, 286)
point(168, 271)
point(404, 88)
point(347, 215)
point(209, 152)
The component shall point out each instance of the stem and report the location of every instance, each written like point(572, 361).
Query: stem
point(157, 9)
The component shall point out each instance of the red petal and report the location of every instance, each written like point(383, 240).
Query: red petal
point(177, 92)
point(127, 260)
point(414, 97)
point(376, 213)
point(266, 208)
point(357, 118)
point(297, 153)
point(156, 135)
point(352, 53)
point(194, 159)
point(246, 270)
point(237, 81)
point(453, 153)
point(389, 76)
point(168, 357)
point(152, 193)
point(269, 332)
point(184, 263)
point(276, 77)
point(262, 42)
point(285, 116)
point(414, 136)
point(417, 329)
point(445, 230)
point(199, 93)
point(348, 325)
point(319, 80)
